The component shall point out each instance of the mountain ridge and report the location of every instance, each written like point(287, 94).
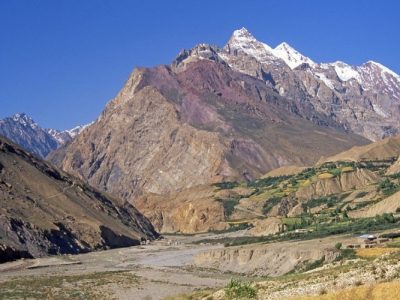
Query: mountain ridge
point(46, 211)
point(24, 131)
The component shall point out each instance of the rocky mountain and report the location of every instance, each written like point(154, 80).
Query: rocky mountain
point(232, 113)
point(364, 99)
point(46, 211)
point(195, 122)
point(24, 131)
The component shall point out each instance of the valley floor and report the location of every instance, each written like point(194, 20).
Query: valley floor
point(147, 272)
point(164, 269)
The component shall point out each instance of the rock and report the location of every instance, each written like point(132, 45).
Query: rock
point(61, 219)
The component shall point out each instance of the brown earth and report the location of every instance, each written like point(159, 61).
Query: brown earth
point(385, 149)
point(46, 211)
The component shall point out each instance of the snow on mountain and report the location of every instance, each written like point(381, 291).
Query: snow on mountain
point(291, 56)
point(67, 135)
point(346, 72)
point(384, 70)
point(24, 131)
point(243, 40)
point(24, 120)
point(77, 129)
point(369, 75)
point(329, 83)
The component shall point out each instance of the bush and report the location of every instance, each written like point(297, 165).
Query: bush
point(266, 182)
point(237, 289)
point(387, 187)
point(229, 205)
point(346, 254)
point(227, 185)
point(338, 246)
point(270, 204)
point(329, 201)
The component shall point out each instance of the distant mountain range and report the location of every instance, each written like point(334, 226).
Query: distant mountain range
point(24, 131)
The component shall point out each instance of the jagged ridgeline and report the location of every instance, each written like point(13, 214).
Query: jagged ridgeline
point(46, 211)
point(228, 114)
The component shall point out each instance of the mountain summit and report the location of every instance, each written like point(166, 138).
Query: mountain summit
point(226, 114)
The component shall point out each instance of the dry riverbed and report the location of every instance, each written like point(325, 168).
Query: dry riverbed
point(152, 271)
point(173, 266)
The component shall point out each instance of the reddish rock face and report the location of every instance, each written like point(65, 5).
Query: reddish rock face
point(226, 114)
point(194, 123)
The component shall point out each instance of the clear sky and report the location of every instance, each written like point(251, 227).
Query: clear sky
point(61, 61)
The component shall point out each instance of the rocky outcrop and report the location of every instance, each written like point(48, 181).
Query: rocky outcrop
point(45, 211)
point(386, 149)
point(394, 168)
point(346, 181)
point(265, 260)
point(388, 205)
point(190, 211)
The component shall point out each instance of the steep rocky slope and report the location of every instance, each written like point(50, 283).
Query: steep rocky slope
point(386, 149)
point(194, 123)
point(45, 211)
point(231, 114)
point(364, 99)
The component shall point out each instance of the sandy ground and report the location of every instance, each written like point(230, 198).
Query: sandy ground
point(163, 268)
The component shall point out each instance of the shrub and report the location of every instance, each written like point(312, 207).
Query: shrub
point(330, 202)
point(227, 185)
point(387, 187)
point(269, 181)
point(338, 246)
point(270, 204)
point(229, 205)
point(237, 289)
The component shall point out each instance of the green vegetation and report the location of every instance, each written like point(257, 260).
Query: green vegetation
point(313, 265)
point(347, 254)
point(388, 187)
point(338, 246)
point(361, 194)
point(268, 182)
point(234, 227)
point(330, 201)
point(229, 205)
point(316, 229)
point(237, 289)
point(227, 185)
point(270, 203)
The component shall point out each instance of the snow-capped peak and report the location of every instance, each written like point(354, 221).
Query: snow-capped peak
point(291, 56)
point(383, 69)
point(24, 120)
point(242, 40)
point(67, 135)
point(77, 129)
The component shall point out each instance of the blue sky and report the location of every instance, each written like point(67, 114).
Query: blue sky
point(62, 61)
